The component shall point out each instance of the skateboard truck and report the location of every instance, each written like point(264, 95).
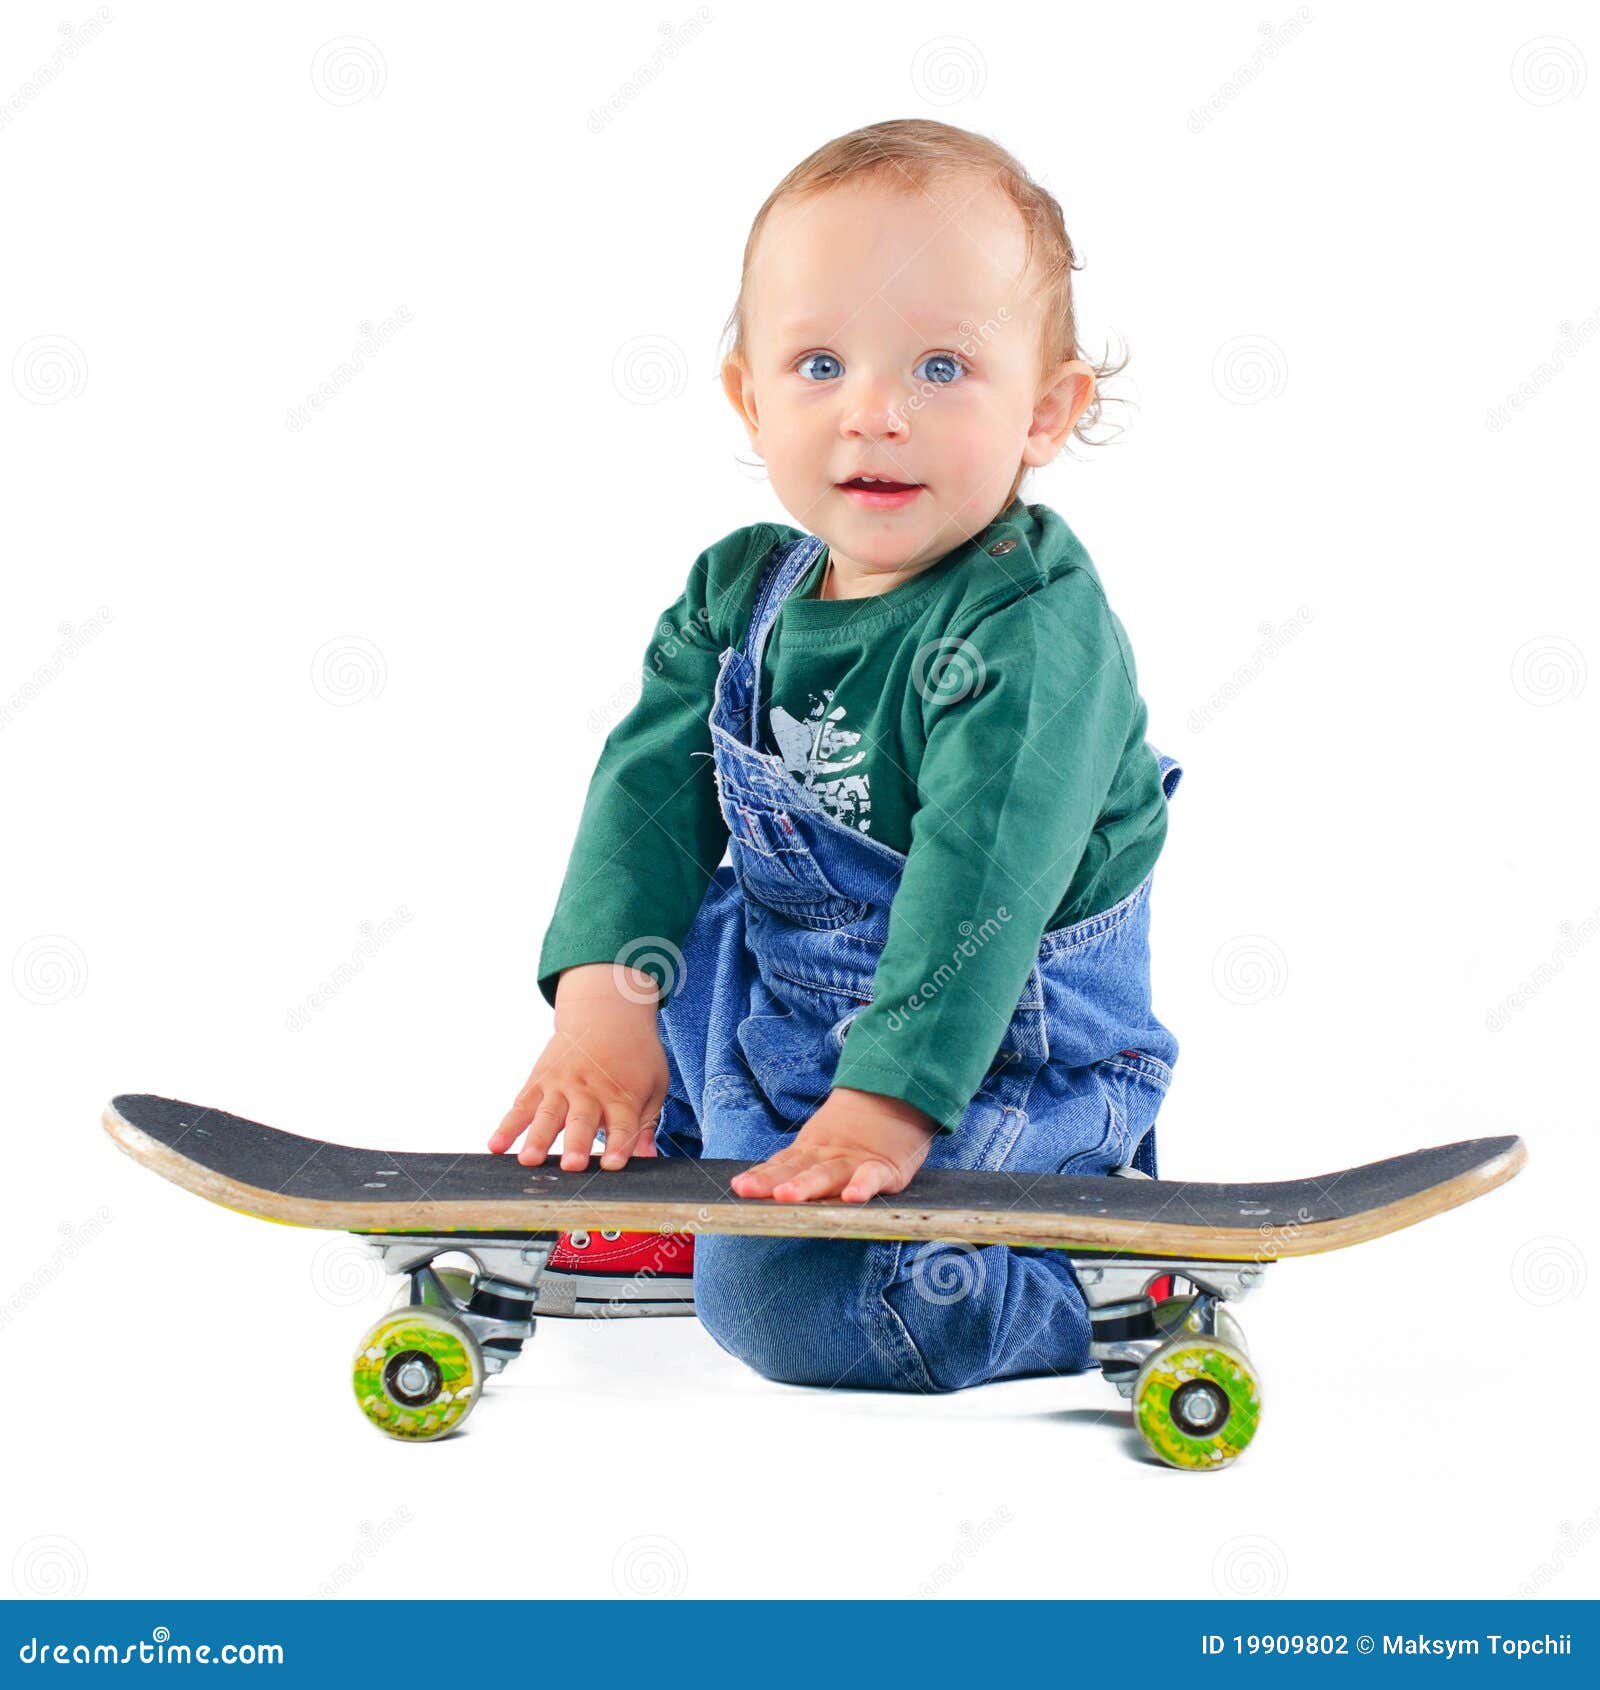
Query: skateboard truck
point(1180, 1359)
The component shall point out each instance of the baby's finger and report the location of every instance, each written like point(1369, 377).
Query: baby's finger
point(546, 1123)
point(867, 1181)
point(515, 1119)
point(583, 1122)
point(759, 1180)
point(821, 1179)
point(622, 1133)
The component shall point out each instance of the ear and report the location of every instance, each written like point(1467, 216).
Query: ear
point(1059, 406)
point(740, 387)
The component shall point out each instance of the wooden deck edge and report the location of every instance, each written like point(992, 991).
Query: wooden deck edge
point(752, 1216)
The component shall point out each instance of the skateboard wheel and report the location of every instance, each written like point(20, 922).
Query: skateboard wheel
point(1197, 1402)
point(417, 1374)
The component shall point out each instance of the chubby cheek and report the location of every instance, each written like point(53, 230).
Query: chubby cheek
point(796, 443)
point(977, 467)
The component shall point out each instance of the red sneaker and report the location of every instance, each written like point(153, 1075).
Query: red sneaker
point(607, 1274)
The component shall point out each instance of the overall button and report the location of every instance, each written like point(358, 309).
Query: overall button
point(1001, 547)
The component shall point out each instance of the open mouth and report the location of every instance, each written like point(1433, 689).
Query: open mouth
point(878, 493)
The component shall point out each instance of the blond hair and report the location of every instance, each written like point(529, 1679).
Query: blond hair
point(909, 153)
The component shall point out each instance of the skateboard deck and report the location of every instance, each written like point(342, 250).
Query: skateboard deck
point(1159, 1262)
point(280, 1176)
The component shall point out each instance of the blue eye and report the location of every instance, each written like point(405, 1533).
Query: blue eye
point(826, 358)
point(945, 369)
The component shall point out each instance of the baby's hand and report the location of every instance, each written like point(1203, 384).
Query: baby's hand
point(603, 1067)
point(857, 1144)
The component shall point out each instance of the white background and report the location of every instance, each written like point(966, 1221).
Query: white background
point(262, 685)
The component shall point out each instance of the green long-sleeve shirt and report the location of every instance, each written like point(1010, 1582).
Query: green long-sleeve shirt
point(983, 718)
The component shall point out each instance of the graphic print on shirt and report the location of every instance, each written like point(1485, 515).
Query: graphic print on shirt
point(814, 752)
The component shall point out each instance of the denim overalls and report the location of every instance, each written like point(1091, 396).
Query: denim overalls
point(779, 959)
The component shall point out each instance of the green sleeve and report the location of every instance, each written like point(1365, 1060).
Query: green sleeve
point(1011, 784)
point(651, 833)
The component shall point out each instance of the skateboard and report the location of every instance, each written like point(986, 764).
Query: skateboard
point(1160, 1262)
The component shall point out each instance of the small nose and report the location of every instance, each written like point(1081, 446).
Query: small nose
point(874, 412)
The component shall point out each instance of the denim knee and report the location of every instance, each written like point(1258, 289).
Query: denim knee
point(775, 1304)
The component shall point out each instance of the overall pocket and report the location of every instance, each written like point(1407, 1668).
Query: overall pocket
point(791, 1041)
point(1135, 1085)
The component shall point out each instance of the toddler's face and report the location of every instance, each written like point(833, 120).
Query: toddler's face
point(893, 334)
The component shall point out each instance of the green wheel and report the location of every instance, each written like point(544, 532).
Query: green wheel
point(417, 1374)
point(1197, 1402)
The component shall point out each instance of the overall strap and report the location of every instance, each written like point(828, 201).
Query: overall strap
point(787, 567)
